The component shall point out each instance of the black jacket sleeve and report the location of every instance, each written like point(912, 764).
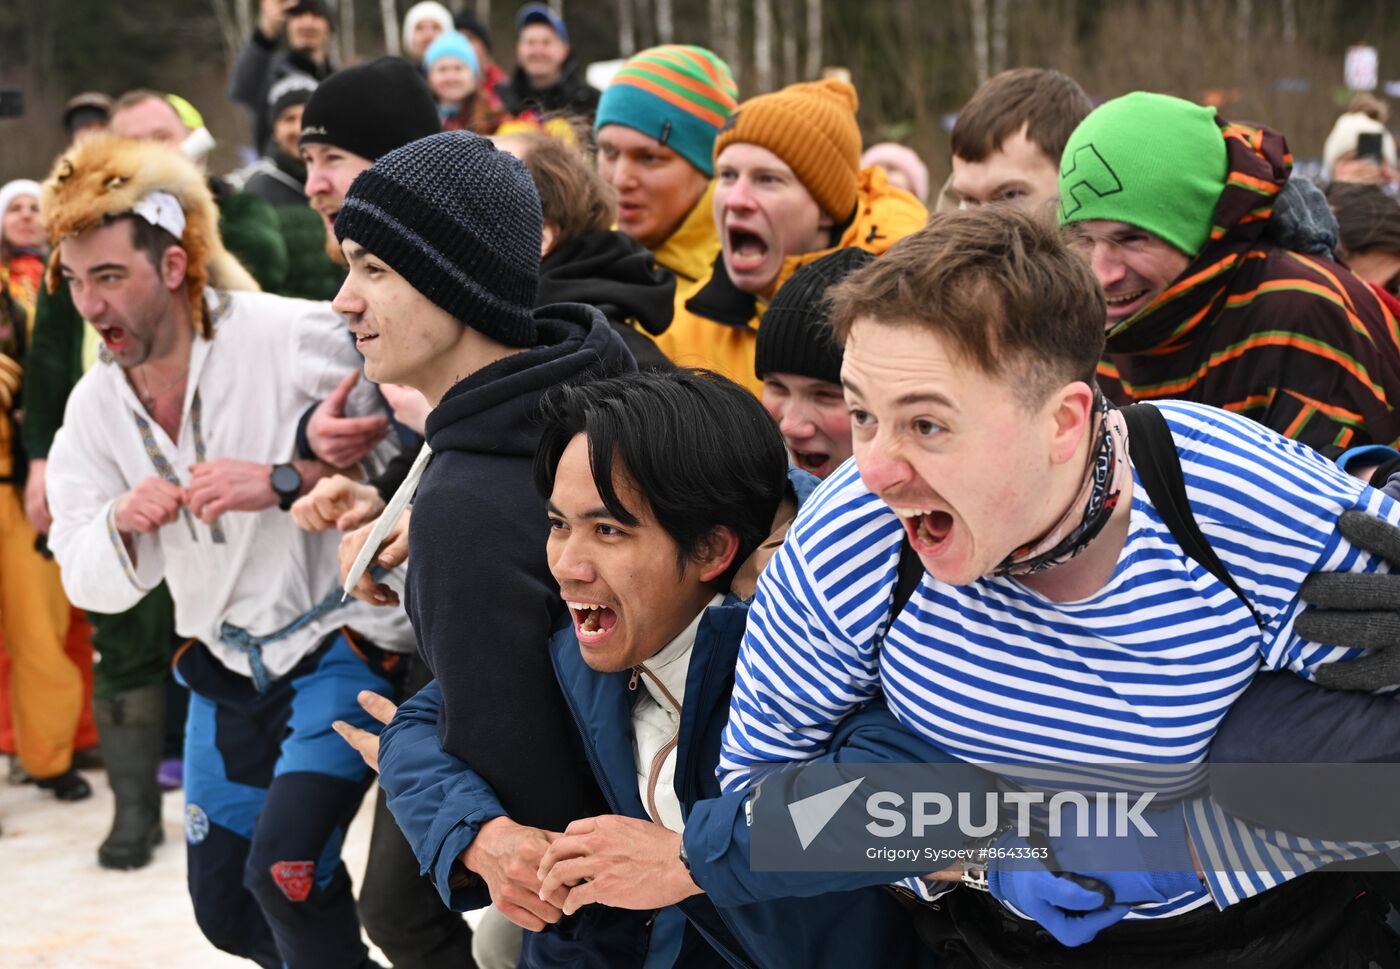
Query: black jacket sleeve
point(1286, 739)
point(396, 469)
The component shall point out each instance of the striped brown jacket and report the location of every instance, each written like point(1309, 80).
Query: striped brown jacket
point(1294, 341)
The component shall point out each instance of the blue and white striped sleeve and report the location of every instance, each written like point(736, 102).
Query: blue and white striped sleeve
point(1269, 507)
point(1241, 860)
point(798, 674)
point(1286, 649)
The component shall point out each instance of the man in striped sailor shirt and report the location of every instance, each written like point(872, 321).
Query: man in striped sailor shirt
point(1057, 620)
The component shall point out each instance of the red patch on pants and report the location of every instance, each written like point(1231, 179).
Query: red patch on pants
point(294, 878)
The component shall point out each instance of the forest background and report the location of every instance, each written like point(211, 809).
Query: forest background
point(914, 62)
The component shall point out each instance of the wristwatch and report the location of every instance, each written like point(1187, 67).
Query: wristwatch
point(685, 858)
point(286, 482)
point(977, 860)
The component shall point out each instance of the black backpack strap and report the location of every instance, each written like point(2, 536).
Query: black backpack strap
point(1154, 455)
point(910, 571)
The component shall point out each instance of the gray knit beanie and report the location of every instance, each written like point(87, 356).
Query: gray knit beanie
point(460, 220)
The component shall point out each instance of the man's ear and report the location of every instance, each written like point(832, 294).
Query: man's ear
point(716, 552)
point(174, 262)
point(1071, 413)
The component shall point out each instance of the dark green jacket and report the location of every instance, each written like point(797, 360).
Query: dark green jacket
point(310, 272)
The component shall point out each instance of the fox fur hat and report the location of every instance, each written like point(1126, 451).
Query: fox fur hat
point(105, 176)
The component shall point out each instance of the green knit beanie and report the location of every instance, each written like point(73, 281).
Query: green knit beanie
point(1149, 160)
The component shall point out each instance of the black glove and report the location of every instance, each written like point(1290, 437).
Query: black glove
point(1358, 610)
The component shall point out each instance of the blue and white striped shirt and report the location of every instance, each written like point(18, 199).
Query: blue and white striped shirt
point(1141, 672)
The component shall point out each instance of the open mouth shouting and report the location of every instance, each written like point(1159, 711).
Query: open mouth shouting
point(748, 250)
point(929, 530)
point(328, 214)
point(593, 623)
point(114, 338)
point(813, 462)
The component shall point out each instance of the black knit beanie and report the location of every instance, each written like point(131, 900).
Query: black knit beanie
point(794, 335)
point(460, 220)
point(468, 22)
point(370, 109)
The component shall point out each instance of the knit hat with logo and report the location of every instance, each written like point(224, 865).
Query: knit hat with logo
point(678, 94)
point(812, 128)
point(296, 88)
point(794, 335)
point(370, 109)
point(460, 221)
point(1149, 160)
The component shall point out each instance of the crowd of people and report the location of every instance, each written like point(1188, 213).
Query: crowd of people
point(571, 467)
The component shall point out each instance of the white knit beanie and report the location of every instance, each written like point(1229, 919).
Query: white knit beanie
point(427, 10)
point(1343, 139)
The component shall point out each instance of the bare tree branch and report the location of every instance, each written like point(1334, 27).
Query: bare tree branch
point(979, 40)
point(731, 34)
point(626, 29)
point(228, 30)
point(763, 44)
point(999, 35)
point(788, 29)
point(665, 22)
point(345, 22)
point(390, 19)
point(813, 64)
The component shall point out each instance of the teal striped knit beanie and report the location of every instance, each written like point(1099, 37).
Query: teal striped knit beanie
point(678, 94)
point(1149, 160)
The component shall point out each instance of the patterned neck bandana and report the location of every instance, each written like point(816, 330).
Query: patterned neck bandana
point(1091, 508)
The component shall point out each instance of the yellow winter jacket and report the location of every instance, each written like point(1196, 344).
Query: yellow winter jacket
point(717, 327)
point(690, 251)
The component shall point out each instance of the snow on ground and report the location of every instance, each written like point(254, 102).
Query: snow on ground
point(59, 910)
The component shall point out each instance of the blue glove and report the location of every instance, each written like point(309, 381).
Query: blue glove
point(1136, 868)
point(1070, 912)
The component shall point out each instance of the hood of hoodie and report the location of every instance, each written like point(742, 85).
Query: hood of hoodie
point(493, 410)
point(614, 273)
point(884, 215)
point(1258, 166)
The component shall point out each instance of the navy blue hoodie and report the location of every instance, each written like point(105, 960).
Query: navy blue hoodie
point(480, 594)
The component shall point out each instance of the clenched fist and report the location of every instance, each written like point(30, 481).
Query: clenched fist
point(151, 505)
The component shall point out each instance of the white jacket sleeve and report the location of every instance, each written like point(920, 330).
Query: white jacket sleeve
point(84, 485)
point(324, 352)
